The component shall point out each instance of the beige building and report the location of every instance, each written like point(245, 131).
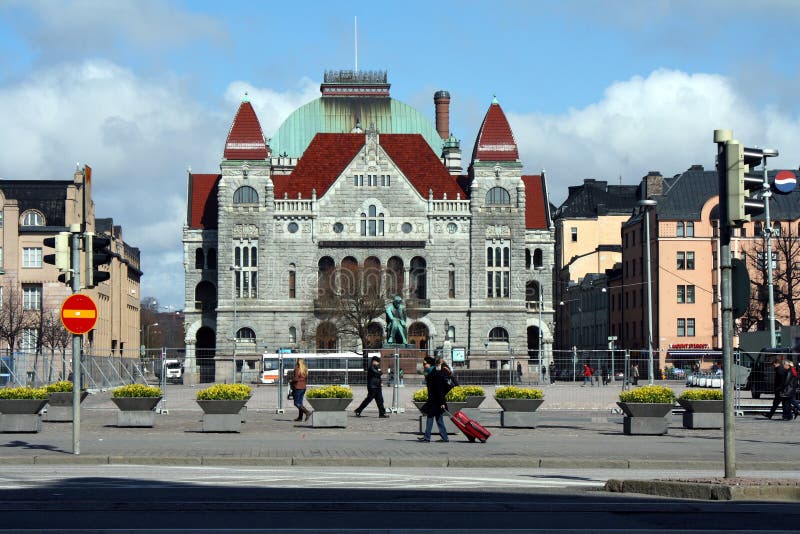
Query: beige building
point(33, 210)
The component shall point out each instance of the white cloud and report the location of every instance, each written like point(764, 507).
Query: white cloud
point(85, 26)
point(271, 106)
point(663, 122)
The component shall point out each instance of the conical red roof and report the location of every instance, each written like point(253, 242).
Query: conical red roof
point(495, 140)
point(245, 139)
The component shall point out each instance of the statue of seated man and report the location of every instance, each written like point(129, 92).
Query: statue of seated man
point(396, 328)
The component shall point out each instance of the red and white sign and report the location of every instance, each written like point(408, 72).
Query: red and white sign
point(78, 313)
point(785, 182)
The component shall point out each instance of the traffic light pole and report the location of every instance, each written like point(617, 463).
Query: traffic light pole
point(729, 430)
point(76, 344)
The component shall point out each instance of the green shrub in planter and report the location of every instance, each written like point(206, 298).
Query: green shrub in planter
point(62, 386)
point(330, 392)
point(225, 392)
point(457, 394)
point(23, 393)
point(473, 391)
point(649, 394)
point(701, 394)
point(136, 390)
point(514, 392)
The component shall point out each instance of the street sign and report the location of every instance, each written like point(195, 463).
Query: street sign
point(785, 182)
point(78, 313)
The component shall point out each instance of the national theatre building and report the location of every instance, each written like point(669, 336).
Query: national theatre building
point(356, 179)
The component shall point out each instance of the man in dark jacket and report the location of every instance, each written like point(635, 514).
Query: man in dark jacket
point(374, 390)
point(436, 405)
point(780, 378)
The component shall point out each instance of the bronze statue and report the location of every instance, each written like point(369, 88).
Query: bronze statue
point(396, 327)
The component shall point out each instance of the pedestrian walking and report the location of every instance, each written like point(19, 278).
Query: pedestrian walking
point(436, 405)
point(777, 385)
point(374, 390)
point(597, 376)
point(587, 375)
point(606, 376)
point(635, 374)
point(552, 372)
point(788, 390)
point(794, 403)
point(298, 384)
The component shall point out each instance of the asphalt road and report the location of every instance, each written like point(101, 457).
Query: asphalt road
point(226, 499)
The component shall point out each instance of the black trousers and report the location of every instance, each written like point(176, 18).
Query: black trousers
point(373, 393)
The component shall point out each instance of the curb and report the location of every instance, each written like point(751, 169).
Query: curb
point(529, 462)
point(704, 491)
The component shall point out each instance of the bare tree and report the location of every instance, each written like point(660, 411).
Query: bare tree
point(787, 286)
point(54, 337)
point(758, 307)
point(14, 318)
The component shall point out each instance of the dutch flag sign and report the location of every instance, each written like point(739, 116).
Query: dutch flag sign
point(785, 182)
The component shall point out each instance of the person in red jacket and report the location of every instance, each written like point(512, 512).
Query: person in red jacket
point(587, 375)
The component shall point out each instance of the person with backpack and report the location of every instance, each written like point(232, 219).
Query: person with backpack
point(436, 405)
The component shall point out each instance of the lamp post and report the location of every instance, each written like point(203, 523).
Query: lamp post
point(647, 203)
point(147, 334)
point(766, 194)
point(236, 281)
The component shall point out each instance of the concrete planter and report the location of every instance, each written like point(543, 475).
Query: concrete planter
point(474, 401)
point(136, 411)
point(59, 409)
point(519, 405)
point(646, 418)
point(419, 405)
point(702, 413)
point(329, 412)
point(21, 415)
point(453, 407)
point(329, 405)
point(222, 415)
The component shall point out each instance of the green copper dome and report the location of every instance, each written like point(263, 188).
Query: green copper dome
point(340, 115)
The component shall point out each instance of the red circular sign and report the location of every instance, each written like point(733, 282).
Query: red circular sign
point(78, 314)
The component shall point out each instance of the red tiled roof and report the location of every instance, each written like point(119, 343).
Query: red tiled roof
point(203, 200)
point(422, 167)
point(495, 140)
point(535, 207)
point(245, 138)
point(328, 154)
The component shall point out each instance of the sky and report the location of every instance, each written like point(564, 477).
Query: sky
point(141, 90)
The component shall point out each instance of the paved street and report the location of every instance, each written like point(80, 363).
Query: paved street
point(565, 438)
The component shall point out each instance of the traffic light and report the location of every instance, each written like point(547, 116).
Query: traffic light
point(740, 183)
point(98, 252)
point(63, 256)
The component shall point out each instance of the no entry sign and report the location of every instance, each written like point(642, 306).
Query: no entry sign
point(78, 314)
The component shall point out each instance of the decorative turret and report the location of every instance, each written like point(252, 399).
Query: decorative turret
point(451, 155)
point(495, 141)
point(245, 138)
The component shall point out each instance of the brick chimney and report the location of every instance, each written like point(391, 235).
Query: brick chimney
point(442, 101)
point(654, 184)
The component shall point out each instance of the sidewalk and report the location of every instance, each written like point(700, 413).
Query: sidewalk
point(587, 438)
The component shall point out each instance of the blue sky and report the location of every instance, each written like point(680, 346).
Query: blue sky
point(609, 90)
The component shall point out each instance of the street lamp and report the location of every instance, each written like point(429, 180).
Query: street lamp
point(147, 334)
point(647, 203)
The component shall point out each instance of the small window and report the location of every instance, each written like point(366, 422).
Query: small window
point(452, 228)
point(292, 279)
point(292, 334)
point(679, 229)
point(690, 229)
point(31, 258)
point(574, 232)
point(338, 227)
point(293, 227)
point(407, 228)
point(245, 195)
point(1, 219)
point(690, 327)
point(32, 218)
point(681, 327)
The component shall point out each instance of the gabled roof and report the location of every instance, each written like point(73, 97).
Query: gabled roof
point(245, 138)
point(495, 141)
point(202, 212)
point(328, 154)
point(535, 203)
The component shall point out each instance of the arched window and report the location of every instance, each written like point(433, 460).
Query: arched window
point(199, 259)
point(211, 262)
point(32, 218)
point(205, 296)
point(292, 281)
point(326, 267)
point(451, 333)
point(451, 281)
point(372, 275)
point(680, 229)
point(245, 195)
point(537, 258)
point(418, 277)
point(246, 334)
point(292, 335)
point(498, 196)
point(690, 229)
point(394, 280)
point(498, 334)
point(372, 222)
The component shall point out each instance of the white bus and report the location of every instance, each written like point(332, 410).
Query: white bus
point(336, 361)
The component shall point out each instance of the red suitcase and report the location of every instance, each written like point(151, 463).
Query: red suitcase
point(471, 429)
